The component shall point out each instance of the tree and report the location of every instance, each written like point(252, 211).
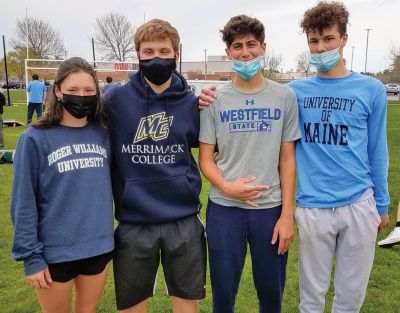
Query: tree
point(271, 65)
point(114, 37)
point(43, 40)
point(394, 58)
point(392, 74)
point(15, 64)
point(303, 62)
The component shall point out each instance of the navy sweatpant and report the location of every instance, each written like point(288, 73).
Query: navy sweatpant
point(229, 229)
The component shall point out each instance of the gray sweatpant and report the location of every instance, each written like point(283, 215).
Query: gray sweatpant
point(347, 234)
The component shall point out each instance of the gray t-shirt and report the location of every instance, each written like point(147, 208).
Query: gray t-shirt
point(248, 129)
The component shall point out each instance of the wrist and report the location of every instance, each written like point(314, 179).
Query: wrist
point(223, 186)
point(287, 214)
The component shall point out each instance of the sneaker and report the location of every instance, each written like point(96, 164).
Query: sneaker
point(392, 239)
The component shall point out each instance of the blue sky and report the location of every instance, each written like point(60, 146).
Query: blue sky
point(198, 23)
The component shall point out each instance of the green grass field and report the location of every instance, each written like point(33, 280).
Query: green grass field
point(383, 294)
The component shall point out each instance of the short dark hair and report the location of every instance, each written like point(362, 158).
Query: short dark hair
point(35, 76)
point(242, 25)
point(325, 15)
point(109, 79)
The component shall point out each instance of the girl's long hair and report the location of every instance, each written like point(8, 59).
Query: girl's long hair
point(54, 111)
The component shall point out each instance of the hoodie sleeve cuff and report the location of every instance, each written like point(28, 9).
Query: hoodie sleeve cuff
point(382, 210)
point(34, 264)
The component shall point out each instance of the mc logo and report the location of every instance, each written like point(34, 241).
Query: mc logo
point(157, 127)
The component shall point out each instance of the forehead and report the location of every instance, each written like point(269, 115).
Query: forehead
point(333, 31)
point(157, 44)
point(244, 39)
point(78, 79)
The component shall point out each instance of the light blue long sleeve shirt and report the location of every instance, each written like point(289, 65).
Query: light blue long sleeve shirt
point(343, 149)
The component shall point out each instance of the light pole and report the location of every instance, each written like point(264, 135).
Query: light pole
point(352, 54)
point(366, 50)
point(205, 64)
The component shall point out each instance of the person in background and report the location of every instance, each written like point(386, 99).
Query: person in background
point(36, 95)
point(394, 236)
point(2, 104)
point(47, 84)
point(108, 85)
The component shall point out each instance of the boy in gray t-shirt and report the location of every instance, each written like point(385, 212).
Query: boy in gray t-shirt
point(254, 124)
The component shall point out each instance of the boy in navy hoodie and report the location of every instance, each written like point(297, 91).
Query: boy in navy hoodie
point(156, 182)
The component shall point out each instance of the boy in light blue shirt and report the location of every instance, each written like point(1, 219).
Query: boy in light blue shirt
point(37, 91)
point(342, 159)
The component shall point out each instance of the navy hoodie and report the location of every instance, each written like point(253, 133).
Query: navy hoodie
point(155, 177)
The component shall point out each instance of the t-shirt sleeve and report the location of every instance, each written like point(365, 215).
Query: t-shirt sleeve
point(291, 131)
point(207, 125)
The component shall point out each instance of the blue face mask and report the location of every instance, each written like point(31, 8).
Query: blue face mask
point(325, 61)
point(248, 69)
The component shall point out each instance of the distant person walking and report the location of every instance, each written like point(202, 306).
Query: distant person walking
point(47, 84)
point(37, 93)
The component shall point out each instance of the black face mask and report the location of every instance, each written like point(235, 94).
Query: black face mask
point(79, 106)
point(157, 70)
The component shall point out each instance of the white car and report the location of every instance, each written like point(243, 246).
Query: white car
point(392, 88)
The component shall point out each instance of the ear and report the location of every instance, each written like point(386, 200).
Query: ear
point(228, 53)
point(177, 55)
point(57, 92)
point(264, 48)
point(344, 40)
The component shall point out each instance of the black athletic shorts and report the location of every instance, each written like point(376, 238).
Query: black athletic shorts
point(181, 247)
point(65, 271)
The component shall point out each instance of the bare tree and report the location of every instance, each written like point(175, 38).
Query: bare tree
point(43, 40)
point(271, 65)
point(303, 62)
point(114, 37)
point(394, 58)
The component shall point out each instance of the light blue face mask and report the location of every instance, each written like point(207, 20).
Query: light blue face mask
point(247, 69)
point(325, 61)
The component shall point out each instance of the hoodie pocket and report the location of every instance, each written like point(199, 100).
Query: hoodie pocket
point(160, 199)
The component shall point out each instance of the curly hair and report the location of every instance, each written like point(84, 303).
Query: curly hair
point(325, 15)
point(156, 29)
point(242, 25)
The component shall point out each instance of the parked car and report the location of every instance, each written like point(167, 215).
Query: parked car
point(393, 88)
point(14, 85)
